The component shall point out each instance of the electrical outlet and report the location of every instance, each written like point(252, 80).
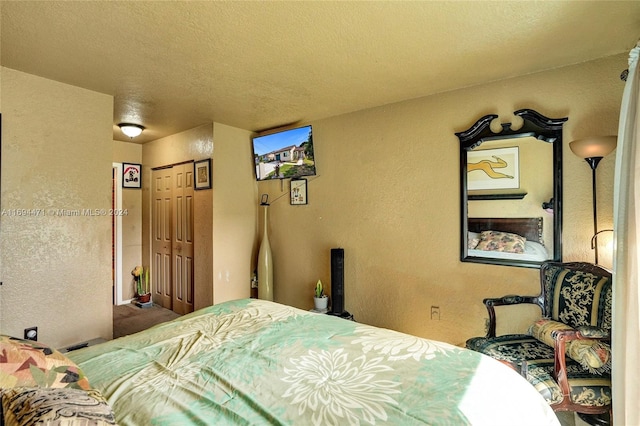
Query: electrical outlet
point(486, 325)
point(31, 333)
point(435, 312)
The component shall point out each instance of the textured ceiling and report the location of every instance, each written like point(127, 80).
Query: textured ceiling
point(172, 66)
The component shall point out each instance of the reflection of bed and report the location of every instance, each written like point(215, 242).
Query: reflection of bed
point(527, 227)
point(258, 362)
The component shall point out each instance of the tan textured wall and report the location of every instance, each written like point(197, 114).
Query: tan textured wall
point(56, 156)
point(126, 152)
point(194, 144)
point(387, 191)
point(203, 248)
point(224, 215)
point(234, 213)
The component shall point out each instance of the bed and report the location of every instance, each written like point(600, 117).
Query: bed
point(262, 363)
point(254, 362)
point(529, 228)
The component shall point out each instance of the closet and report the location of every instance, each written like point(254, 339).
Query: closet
point(172, 237)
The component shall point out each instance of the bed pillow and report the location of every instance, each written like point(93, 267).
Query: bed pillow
point(473, 238)
point(536, 249)
point(501, 241)
point(593, 355)
point(29, 363)
point(55, 406)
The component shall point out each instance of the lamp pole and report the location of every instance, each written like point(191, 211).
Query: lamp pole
point(593, 163)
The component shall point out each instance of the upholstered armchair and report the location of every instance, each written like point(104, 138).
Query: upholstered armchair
point(565, 354)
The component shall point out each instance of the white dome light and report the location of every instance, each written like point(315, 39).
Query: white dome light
point(131, 130)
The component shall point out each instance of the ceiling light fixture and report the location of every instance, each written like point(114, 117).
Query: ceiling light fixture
point(130, 129)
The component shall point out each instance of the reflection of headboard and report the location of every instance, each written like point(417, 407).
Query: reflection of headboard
point(528, 227)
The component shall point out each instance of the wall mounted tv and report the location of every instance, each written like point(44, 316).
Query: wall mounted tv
point(284, 154)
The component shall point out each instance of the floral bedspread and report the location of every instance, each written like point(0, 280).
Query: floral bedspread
point(253, 362)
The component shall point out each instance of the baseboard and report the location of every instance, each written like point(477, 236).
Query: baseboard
point(81, 345)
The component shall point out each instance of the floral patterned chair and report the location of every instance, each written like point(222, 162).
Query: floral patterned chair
point(566, 354)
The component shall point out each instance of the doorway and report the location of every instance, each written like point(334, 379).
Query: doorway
point(172, 237)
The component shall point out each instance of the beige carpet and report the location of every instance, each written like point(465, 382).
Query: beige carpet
point(129, 319)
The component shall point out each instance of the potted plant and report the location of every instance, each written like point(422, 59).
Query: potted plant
point(141, 278)
point(320, 300)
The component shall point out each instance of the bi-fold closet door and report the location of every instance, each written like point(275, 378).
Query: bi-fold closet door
point(172, 223)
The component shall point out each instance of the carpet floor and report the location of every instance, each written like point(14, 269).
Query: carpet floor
point(129, 319)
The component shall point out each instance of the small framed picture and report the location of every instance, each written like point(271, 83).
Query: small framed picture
point(131, 175)
point(298, 191)
point(202, 174)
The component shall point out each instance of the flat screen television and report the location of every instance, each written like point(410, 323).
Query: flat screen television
point(284, 154)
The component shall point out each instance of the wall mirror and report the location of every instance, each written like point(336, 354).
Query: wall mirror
point(511, 191)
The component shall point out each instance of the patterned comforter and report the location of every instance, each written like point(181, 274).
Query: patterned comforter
point(255, 362)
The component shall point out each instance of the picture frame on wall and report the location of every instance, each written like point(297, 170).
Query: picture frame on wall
point(131, 175)
point(493, 169)
point(298, 192)
point(202, 174)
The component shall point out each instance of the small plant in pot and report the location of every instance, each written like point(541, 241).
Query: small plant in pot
point(141, 278)
point(320, 300)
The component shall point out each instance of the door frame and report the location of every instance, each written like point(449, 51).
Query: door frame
point(117, 236)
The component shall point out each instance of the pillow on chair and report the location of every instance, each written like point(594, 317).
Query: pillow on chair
point(593, 332)
point(593, 355)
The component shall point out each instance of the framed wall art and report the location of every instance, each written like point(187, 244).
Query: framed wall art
point(493, 169)
point(202, 174)
point(131, 175)
point(298, 191)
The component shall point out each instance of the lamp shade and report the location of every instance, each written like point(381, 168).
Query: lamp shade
point(131, 130)
point(594, 146)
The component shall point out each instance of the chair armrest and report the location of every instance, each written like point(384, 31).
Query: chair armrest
point(492, 302)
point(561, 337)
point(559, 360)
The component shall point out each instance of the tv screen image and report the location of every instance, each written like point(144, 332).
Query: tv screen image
point(284, 154)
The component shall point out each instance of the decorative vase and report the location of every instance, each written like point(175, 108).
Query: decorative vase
point(265, 262)
point(321, 303)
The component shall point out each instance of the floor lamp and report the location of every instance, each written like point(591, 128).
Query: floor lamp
point(593, 149)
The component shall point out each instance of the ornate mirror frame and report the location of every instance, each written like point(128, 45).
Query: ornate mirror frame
point(534, 125)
